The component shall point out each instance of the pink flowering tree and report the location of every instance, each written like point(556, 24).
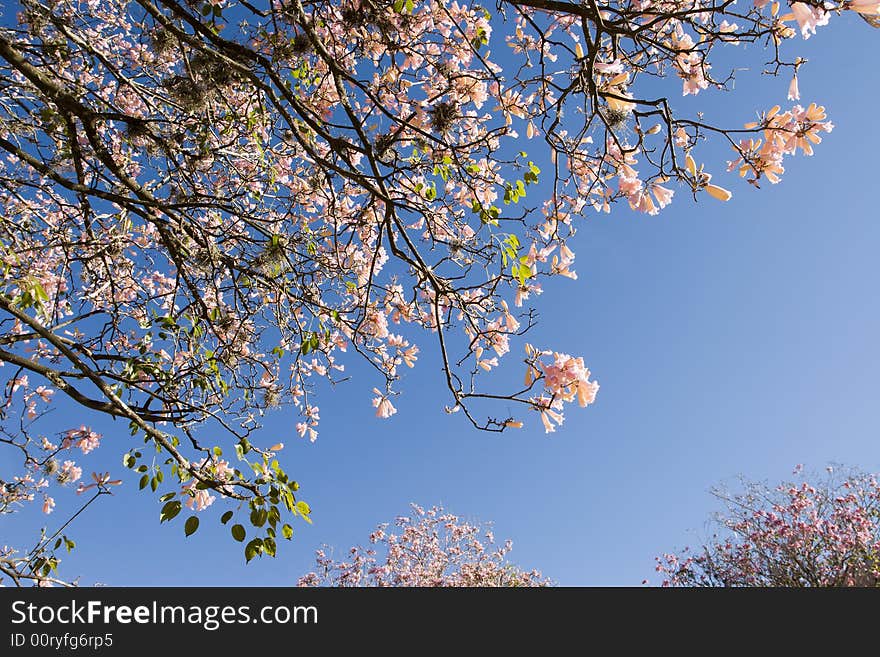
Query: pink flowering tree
point(210, 208)
point(428, 548)
point(796, 534)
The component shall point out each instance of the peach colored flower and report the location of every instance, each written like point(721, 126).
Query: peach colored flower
point(384, 407)
point(793, 91)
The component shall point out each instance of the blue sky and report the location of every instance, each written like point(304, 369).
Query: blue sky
point(736, 338)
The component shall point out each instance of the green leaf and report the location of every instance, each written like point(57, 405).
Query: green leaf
point(143, 482)
point(226, 517)
point(304, 510)
point(287, 531)
point(287, 498)
point(238, 533)
point(253, 548)
point(258, 517)
point(192, 524)
point(170, 510)
point(40, 292)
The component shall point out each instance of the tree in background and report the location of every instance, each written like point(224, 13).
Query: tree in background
point(211, 207)
point(796, 534)
point(433, 548)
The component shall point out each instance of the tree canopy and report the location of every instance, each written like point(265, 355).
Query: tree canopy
point(210, 207)
point(823, 532)
point(430, 547)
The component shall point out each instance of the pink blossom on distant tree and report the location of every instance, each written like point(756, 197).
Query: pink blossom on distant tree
point(797, 534)
point(428, 548)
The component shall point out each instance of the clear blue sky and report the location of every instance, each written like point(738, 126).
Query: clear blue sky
point(727, 338)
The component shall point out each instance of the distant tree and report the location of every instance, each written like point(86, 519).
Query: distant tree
point(797, 534)
point(431, 548)
point(210, 208)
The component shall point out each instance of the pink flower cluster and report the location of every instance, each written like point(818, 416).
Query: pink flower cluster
point(784, 134)
point(83, 438)
point(565, 379)
point(809, 17)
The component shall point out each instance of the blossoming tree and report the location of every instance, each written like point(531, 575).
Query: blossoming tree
point(208, 207)
point(433, 548)
point(796, 534)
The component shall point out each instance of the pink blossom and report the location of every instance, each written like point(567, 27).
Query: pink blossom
point(48, 504)
point(662, 194)
point(102, 480)
point(197, 499)
point(84, 438)
point(867, 7)
point(69, 472)
point(809, 17)
point(793, 92)
point(44, 393)
point(384, 407)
